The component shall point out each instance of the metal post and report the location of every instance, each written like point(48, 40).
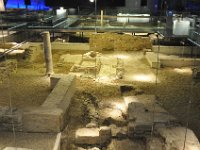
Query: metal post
point(101, 18)
point(47, 53)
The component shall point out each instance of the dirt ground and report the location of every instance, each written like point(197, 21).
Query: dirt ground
point(177, 92)
point(25, 88)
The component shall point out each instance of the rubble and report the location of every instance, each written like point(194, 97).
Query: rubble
point(118, 132)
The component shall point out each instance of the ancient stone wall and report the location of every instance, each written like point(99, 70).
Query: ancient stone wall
point(119, 42)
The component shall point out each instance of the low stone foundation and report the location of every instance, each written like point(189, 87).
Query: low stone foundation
point(50, 116)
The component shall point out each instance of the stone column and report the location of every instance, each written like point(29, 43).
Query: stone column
point(47, 53)
point(2, 6)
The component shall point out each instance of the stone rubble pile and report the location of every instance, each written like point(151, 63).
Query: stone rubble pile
point(89, 107)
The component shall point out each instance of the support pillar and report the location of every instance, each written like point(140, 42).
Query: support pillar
point(2, 6)
point(47, 53)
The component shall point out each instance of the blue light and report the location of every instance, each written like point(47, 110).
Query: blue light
point(35, 4)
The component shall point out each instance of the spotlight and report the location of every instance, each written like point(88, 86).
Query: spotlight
point(92, 1)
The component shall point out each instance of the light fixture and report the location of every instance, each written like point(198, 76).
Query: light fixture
point(92, 1)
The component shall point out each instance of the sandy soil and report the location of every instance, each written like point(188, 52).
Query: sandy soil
point(35, 141)
point(27, 87)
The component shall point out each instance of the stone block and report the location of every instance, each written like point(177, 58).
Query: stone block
point(104, 130)
point(105, 134)
point(88, 136)
point(43, 120)
point(92, 136)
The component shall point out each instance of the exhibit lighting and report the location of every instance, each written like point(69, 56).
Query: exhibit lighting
point(61, 12)
point(183, 70)
point(114, 113)
point(143, 78)
point(95, 11)
point(120, 106)
point(128, 100)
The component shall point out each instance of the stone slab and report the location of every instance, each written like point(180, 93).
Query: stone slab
point(175, 137)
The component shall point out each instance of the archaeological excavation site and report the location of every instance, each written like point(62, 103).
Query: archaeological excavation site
point(99, 75)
